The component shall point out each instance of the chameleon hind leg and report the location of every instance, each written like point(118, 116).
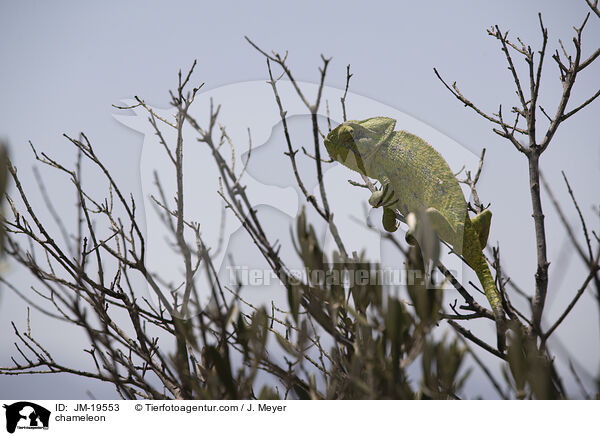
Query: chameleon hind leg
point(481, 222)
point(435, 221)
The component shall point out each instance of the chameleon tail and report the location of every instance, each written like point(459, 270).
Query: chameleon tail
point(476, 260)
point(493, 296)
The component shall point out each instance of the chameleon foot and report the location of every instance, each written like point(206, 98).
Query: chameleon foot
point(383, 197)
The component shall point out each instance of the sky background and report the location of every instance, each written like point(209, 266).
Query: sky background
point(65, 63)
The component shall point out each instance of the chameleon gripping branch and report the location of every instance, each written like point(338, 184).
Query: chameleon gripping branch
point(416, 179)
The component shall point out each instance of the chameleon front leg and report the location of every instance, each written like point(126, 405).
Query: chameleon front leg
point(385, 198)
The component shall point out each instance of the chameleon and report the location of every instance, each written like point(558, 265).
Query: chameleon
point(416, 179)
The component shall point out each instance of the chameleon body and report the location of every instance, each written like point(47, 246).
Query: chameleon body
point(416, 178)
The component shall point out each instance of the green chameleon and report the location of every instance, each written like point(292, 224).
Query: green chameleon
point(415, 178)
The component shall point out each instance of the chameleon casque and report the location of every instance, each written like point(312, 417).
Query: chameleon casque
point(415, 178)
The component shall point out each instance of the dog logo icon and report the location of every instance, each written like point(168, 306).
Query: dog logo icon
point(26, 415)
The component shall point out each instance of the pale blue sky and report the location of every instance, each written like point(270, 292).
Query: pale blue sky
point(65, 62)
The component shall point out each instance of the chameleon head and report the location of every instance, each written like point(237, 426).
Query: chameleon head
point(352, 143)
